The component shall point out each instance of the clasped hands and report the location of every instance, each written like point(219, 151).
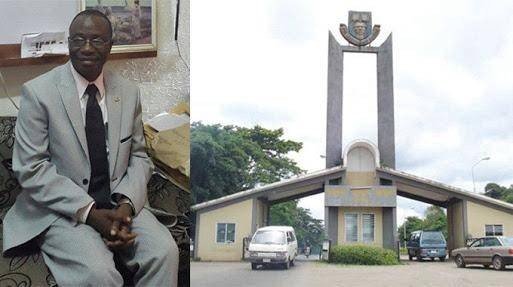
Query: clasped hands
point(113, 225)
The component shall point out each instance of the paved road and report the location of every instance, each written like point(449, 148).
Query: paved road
point(308, 273)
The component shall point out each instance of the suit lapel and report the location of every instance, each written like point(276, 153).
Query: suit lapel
point(114, 103)
point(68, 91)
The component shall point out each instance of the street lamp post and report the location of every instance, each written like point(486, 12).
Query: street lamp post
point(473, 180)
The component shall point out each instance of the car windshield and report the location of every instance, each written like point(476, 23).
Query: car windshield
point(269, 237)
point(508, 241)
point(433, 238)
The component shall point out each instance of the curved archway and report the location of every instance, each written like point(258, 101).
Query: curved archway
point(361, 155)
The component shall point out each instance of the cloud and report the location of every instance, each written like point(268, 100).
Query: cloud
point(292, 21)
point(250, 114)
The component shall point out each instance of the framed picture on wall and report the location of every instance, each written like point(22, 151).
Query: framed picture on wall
point(133, 23)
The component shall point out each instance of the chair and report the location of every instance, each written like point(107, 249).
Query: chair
point(169, 203)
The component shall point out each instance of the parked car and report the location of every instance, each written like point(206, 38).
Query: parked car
point(427, 244)
point(273, 245)
point(496, 251)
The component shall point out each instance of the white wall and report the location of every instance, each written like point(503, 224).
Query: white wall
point(29, 16)
point(164, 80)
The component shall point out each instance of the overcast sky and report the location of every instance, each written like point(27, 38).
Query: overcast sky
point(265, 62)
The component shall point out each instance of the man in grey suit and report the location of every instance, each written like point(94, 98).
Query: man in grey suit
point(79, 156)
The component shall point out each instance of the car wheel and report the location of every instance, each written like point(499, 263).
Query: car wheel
point(460, 262)
point(254, 266)
point(498, 263)
point(442, 258)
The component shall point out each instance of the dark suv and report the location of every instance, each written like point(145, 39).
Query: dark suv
point(427, 244)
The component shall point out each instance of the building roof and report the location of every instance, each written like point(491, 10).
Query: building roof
point(304, 178)
point(455, 190)
point(316, 180)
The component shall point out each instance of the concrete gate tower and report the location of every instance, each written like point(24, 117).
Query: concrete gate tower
point(360, 34)
point(360, 157)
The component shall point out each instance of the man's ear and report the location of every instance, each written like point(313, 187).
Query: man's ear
point(110, 46)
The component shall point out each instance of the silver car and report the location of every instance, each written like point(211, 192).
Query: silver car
point(496, 251)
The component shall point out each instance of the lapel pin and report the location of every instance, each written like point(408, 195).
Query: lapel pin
point(117, 99)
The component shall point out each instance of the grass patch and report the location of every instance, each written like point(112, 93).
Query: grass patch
point(362, 255)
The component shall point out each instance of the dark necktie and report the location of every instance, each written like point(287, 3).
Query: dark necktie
point(96, 143)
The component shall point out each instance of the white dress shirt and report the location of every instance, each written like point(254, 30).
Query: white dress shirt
point(82, 84)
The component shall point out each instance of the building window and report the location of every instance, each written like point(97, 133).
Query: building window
point(493, 230)
point(351, 225)
point(225, 233)
point(368, 227)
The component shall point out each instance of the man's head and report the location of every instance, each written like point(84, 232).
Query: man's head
point(90, 41)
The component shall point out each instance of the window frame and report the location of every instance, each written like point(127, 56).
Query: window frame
point(373, 227)
point(226, 233)
point(493, 229)
point(345, 227)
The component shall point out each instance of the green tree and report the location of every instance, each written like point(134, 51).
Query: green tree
point(229, 159)
point(283, 213)
point(412, 223)
point(496, 191)
point(435, 219)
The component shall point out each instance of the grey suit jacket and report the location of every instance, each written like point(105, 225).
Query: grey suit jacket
point(50, 156)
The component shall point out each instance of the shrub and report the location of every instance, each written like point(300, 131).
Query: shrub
point(362, 255)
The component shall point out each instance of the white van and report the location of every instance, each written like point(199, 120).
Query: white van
point(273, 245)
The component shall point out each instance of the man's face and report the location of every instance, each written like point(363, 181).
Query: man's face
point(89, 45)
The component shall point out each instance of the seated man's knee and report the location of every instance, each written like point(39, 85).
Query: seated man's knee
point(158, 262)
point(165, 249)
point(103, 274)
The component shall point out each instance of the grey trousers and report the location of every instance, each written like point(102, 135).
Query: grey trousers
point(77, 255)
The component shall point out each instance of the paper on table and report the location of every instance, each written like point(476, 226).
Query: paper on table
point(166, 121)
point(39, 44)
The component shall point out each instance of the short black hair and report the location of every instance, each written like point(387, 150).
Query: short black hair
point(93, 13)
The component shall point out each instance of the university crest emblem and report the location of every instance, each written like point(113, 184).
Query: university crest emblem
point(359, 31)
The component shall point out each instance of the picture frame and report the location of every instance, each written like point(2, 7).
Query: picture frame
point(134, 23)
